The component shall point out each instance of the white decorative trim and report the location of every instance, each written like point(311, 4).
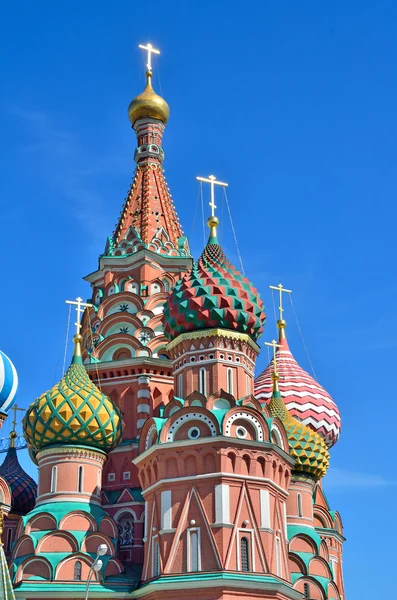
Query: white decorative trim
point(143, 394)
point(243, 415)
point(185, 419)
point(143, 408)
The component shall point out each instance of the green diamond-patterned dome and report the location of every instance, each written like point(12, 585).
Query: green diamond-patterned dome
point(306, 446)
point(74, 411)
point(213, 294)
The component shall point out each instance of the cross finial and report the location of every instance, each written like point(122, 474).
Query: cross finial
point(211, 179)
point(281, 290)
point(13, 433)
point(274, 345)
point(80, 306)
point(150, 50)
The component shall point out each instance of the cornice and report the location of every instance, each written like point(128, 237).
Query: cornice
point(221, 333)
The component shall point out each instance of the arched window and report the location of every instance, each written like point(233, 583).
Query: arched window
point(9, 540)
point(230, 381)
point(126, 530)
point(306, 590)
point(98, 482)
point(54, 473)
point(77, 571)
point(245, 559)
point(203, 381)
point(80, 479)
point(180, 385)
point(299, 501)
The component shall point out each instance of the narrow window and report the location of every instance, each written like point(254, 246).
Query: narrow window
point(193, 552)
point(230, 380)
point(306, 590)
point(180, 385)
point(299, 500)
point(278, 557)
point(245, 560)
point(155, 558)
point(166, 510)
point(80, 479)
point(54, 479)
point(247, 383)
point(203, 382)
point(77, 571)
point(9, 540)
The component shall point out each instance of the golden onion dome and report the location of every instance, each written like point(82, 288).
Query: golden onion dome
point(74, 411)
point(306, 446)
point(148, 105)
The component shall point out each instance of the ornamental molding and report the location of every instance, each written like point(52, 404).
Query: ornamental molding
point(74, 451)
point(220, 333)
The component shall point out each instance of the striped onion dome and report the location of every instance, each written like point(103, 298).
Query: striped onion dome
point(214, 294)
point(303, 396)
point(8, 383)
point(74, 411)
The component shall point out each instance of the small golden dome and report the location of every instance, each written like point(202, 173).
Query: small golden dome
point(148, 105)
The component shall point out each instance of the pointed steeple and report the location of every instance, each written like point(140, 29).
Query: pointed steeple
point(148, 216)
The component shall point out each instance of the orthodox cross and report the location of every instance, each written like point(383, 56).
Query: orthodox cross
point(213, 182)
point(80, 306)
point(150, 51)
point(15, 408)
point(274, 345)
point(280, 289)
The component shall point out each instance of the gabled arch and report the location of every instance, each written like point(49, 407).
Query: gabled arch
point(189, 415)
point(296, 564)
point(91, 542)
point(253, 420)
point(65, 569)
point(221, 395)
point(315, 589)
point(173, 405)
point(278, 434)
point(120, 298)
point(303, 543)
point(57, 541)
point(195, 399)
point(34, 567)
point(23, 547)
point(318, 567)
point(40, 522)
point(149, 435)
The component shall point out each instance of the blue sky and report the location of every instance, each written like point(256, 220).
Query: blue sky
point(294, 104)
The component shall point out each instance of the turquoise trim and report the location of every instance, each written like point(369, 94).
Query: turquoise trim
point(294, 530)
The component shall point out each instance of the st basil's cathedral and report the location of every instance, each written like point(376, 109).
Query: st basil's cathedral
point(165, 469)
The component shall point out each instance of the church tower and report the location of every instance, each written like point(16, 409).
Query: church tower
point(123, 337)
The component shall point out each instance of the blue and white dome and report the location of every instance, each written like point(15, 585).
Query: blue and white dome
point(8, 383)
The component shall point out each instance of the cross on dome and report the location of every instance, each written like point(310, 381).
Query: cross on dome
point(150, 50)
point(80, 306)
point(211, 179)
point(281, 289)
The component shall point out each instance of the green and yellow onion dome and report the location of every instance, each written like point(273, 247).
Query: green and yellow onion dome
point(306, 446)
point(148, 105)
point(74, 411)
point(214, 294)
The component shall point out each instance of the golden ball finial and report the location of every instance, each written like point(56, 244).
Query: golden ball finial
point(213, 221)
point(281, 324)
point(148, 105)
point(13, 435)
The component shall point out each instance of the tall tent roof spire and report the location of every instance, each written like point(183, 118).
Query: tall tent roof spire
point(148, 218)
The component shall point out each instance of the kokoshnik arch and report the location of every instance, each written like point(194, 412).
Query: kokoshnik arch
point(158, 441)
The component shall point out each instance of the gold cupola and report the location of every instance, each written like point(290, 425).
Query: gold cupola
point(148, 105)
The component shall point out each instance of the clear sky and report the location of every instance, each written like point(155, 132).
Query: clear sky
point(292, 103)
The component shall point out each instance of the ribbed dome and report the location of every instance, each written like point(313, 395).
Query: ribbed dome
point(148, 105)
point(306, 446)
point(74, 411)
point(213, 294)
point(23, 487)
point(305, 399)
point(8, 383)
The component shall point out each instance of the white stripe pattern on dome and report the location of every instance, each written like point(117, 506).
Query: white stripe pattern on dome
point(306, 400)
point(8, 383)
